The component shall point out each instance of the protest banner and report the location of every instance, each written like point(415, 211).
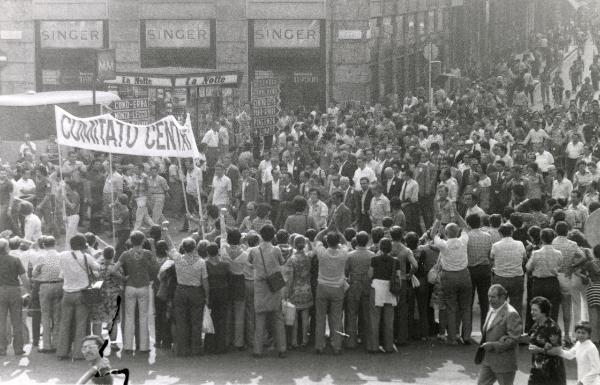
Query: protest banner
point(104, 133)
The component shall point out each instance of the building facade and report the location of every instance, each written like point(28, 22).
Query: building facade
point(202, 56)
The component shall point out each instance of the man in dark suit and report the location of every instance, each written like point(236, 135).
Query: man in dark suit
point(385, 162)
point(248, 193)
point(363, 205)
point(393, 185)
point(233, 173)
point(347, 168)
point(292, 166)
point(286, 194)
point(340, 215)
point(497, 352)
point(348, 196)
point(499, 194)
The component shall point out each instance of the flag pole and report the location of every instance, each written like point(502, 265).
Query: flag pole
point(62, 191)
point(112, 199)
point(180, 172)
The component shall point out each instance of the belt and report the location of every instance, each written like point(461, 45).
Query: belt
point(189, 286)
point(157, 193)
point(42, 282)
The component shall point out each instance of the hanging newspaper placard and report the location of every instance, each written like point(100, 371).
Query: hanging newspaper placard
point(265, 106)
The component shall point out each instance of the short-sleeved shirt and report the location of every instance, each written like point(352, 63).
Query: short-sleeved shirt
point(10, 270)
point(122, 214)
point(221, 190)
point(383, 266)
point(190, 270)
point(140, 266)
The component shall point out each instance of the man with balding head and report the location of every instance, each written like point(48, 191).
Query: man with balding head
point(455, 278)
point(11, 270)
point(500, 333)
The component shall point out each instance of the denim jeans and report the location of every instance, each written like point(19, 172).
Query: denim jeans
point(330, 303)
point(141, 296)
point(456, 289)
point(50, 298)
point(357, 305)
point(11, 304)
point(73, 317)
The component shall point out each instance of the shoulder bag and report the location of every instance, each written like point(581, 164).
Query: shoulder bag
point(275, 281)
point(92, 294)
point(395, 282)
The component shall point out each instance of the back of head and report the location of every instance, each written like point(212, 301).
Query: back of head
point(452, 230)
point(78, 242)
point(474, 221)
point(561, 228)
point(506, 230)
point(137, 238)
point(495, 220)
point(362, 239)
point(396, 233)
point(385, 245)
point(333, 239)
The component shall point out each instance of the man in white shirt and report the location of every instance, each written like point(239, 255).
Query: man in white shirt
point(470, 201)
point(28, 145)
point(574, 151)
point(561, 186)
point(507, 257)
point(543, 158)
point(363, 172)
point(211, 140)
point(455, 278)
point(220, 195)
point(32, 223)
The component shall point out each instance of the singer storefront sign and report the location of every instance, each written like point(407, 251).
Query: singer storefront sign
point(287, 33)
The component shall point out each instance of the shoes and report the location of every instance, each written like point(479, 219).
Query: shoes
point(452, 342)
point(467, 342)
point(46, 350)
point(319, 351)
point(337, 352)
point(282, 355)
point(61, 358)
point(19, 353)
point(257, 355)
point(114, 347)
point(2, 354)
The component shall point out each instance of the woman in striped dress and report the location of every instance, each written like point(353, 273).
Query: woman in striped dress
point(592, 268)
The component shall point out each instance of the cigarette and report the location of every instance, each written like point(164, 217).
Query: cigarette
point(342, 334)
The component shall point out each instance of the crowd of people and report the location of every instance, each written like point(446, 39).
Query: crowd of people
point(365, 225)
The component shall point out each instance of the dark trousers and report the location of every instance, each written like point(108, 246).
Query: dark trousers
point(11, 304)
point(548, 288)
point(481, 280)
point(426, 205)
point(404, 314)
point(122, 237)
point(35, 311)
point(189, 311)
point(456, 288)
point(514, 287)
point(357, 308)
point(364, 223)
point(422, 295)
point(162, 324)
point(219, 308)
point(96, 215)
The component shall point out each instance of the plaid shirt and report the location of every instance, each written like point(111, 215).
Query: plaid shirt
point(479, 247)
point(570, 253)
point(140, 185)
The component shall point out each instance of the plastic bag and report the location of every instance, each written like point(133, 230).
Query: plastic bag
point(207, 323)
point(289, 313)
point(415, 281)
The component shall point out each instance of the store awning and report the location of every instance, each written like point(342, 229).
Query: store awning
point(575, 4)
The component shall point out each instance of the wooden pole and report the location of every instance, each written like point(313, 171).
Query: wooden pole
point(112, 199)
point(200, 203)
point(64, 197)
point(180, 172)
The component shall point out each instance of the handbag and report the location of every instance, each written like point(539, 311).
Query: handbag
point(395, 282)
point(275, 281)
point(92, 294)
